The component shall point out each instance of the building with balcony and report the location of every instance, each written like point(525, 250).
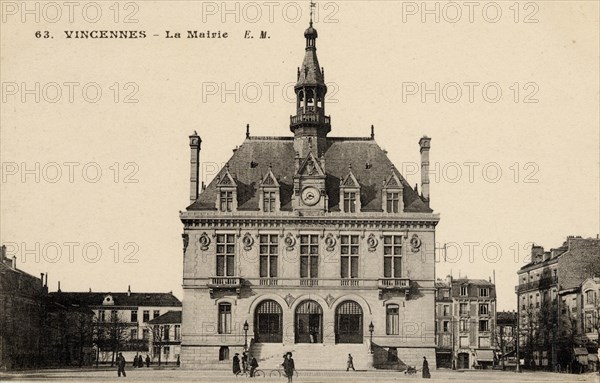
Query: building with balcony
point(550, 298)
point(122, 318)
point(465, 323)
point(311, 244)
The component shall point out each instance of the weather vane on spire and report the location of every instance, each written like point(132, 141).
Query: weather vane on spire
point(312, 7)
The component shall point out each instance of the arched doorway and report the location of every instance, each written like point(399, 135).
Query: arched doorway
point(268, 320)
point(349, 323)
point(309, 322)
point(463, 361)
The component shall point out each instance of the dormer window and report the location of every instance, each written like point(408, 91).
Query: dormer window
point(227, 192)
point(269, 193)
point(350, 193)
point(392, 194)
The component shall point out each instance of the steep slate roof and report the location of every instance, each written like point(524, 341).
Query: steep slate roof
point(120, 299)
point(251, 161)
point(169, 317)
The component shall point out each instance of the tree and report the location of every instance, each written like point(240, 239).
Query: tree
point(159, 335)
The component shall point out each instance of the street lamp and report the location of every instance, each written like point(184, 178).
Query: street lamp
point(371, 329)
point(246, 336)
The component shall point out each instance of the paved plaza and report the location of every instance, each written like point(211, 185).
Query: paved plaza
point(177, 375)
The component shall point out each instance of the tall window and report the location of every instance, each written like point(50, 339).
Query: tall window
point(101, 315)
point(268, 255)
point(464, 291)
point(589, 297)
point(155, 314)
point(225, 255)
point(464, 309)
point(166, 330)
point(177, 332)
point(484, 292)
point(350, 202)
point(134, 317)
point(446, 326)
point(393, 202)
point(113, 315)
point(269, 202)
point(392, 256)
point(226, 201)
point(446, 311)
point(146, 315)
point(464, 325)
point(133, 334)
point(484, 325)
point(224, 318)
point(309, 256)
point(483, 309)
point(392, 320)
point(349, 256)
point(145, 334)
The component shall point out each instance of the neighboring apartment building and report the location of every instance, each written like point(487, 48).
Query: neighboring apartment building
point(551, 303)
point(506, 337)
point(124, 316)
point(465, 323)
point(166, 337)
point(318, 243)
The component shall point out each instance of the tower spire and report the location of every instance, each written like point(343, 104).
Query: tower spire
point(310, 124)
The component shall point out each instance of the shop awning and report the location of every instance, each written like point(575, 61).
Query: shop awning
point(580, 351)
point(485, 355)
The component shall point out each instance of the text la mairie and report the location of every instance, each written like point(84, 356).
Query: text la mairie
point(309, 244)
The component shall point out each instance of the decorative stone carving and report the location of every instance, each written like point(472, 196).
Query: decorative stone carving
point(372, 243)
point(415, 243)
point(329, 299)
point(204, 242)
point(186, 241)
point(330, 242)
point(247, 241)
point(289, 299)
point(289, 242)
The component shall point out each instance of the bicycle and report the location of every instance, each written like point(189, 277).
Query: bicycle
point(258, 373)
point(278, 373)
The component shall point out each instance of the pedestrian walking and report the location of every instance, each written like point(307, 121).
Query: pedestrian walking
point(147, 361)
point(425, 373)
point(236, 364)
point(350, 363)
point(121, 365)
point(244, 362)
point(289, 367)
point(253, 366)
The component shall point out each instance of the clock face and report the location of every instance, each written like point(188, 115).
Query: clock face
point(311, 196)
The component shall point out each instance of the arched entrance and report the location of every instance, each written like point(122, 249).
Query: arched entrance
point(309, 322)
point(463, 361)
point(268, 322)
point(349, 323)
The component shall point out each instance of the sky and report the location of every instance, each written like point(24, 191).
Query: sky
point(94, 132)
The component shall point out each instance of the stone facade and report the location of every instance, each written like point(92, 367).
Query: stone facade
point(311, 244)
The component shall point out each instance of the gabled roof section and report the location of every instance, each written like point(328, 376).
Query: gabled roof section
point(120, 299)
point(310, 167)
point(226, 180)
point(170, 317)
point(393, 181)
point(269, 180)
point(350, 181)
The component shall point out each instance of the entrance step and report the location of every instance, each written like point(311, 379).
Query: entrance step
point(313, 356)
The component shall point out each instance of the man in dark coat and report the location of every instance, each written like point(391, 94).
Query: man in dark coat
point(244, 361)
point(147, 361)
point(121, 365)
point(253, 366)
point(425, 370)
point(236, 364)
point(289, 367)
point(350, 363)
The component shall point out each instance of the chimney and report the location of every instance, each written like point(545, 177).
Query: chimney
point(425, 144)
point(46, 283)
point(129, 290)
point(58, 291)
point(195, 142)
point(42, 279)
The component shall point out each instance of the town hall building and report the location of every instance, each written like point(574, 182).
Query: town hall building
point(311, 244)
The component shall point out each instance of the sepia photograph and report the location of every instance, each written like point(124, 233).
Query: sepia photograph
point(300, 191)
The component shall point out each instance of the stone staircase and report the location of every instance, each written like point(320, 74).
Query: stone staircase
point(312, 356)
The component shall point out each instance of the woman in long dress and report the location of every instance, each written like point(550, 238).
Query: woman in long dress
point(236, 364)
point(425, 370)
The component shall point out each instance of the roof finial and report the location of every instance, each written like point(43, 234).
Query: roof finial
point(312, 7)
point(247, 130)
point(372, 132)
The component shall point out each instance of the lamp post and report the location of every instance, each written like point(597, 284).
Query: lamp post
point(371, 329)
point(246, 336)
